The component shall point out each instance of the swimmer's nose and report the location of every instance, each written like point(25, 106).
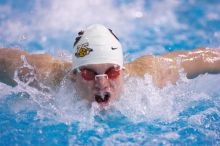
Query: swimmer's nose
point(101, 82)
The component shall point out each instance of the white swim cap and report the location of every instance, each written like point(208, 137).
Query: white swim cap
point(97, 45)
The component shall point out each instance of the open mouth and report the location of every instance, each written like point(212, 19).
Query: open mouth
point(102, 98)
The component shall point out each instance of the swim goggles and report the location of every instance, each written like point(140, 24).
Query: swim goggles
point(89, 74)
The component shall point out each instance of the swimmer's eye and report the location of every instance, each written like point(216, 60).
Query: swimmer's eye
point(113, 72)
point(88, 74)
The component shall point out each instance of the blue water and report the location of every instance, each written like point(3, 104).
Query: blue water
point(184, 114)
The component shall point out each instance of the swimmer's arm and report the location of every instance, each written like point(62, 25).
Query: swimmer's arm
point(8, 62)
point(165, 69)
point(198, 61)
point(49, 70)
point(140, 66)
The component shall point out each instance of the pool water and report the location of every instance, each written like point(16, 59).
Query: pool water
point(187, 113)
point(183, 114)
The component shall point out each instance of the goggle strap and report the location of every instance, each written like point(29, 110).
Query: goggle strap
point(121, 67)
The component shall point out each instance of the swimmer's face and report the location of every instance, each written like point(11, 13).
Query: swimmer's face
point(105, 87)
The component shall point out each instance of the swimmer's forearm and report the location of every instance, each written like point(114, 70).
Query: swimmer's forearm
point(9, 60)
point(8, 63)
point(49, 70)
point(200, 61)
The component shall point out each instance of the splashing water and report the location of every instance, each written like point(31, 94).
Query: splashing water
point(143, 115)
point(183, 114)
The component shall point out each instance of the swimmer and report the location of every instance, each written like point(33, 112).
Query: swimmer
point(97, 66)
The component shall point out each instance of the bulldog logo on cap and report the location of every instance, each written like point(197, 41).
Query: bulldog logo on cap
point(83, 50)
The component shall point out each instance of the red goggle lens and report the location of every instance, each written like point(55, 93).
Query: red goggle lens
point(113, 72)
point(88, 74)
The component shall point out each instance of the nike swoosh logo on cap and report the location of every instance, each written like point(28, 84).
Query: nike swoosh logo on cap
point(114, 48)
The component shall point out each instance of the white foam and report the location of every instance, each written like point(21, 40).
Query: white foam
point(141, 101)
point(5, 90)
point(171, 135)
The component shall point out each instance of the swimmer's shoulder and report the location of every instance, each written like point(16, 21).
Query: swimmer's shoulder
point(49, 69)
point(162, 69)
point(141, 66)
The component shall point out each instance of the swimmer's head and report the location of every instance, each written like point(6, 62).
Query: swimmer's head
point(97, 45)
point(97, 65)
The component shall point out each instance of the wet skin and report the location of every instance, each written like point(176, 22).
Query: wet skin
point(164, 69)
point(103, 90)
